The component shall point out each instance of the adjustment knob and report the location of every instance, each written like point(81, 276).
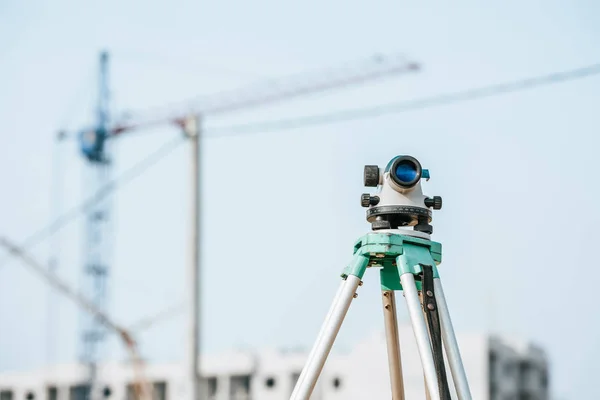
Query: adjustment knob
point(367, 200)
point(371, 176)
point(423, 226)
point(380, 224)
point(435, 202)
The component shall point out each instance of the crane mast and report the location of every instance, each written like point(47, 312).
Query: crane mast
point(97, 247)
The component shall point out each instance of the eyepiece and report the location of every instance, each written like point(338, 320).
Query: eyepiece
point(406, 171)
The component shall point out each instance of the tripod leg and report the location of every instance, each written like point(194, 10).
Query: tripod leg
point(314, 366)
point(310, 374)
point(451, 345)
point(421, 333)
point(311, 355)
point(393, 344)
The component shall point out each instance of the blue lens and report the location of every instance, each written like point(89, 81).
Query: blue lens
point(406, 171)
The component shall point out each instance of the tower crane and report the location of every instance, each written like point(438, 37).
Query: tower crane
point(188, 116)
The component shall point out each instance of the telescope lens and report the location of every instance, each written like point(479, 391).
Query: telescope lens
point(406, 171)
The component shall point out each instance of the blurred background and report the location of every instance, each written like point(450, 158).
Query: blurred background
point(501, 110)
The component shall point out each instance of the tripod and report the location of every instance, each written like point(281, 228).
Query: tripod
point(407, 262)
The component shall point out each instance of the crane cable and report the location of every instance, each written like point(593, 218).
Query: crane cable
point(128, 176)
point(321, 119)
point(410, 105)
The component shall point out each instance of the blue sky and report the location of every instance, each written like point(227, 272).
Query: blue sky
point(517, 171)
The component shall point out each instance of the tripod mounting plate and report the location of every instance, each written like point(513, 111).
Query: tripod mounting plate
point(396, 255)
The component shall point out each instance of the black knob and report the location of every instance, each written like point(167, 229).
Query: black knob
point(425, 228)
point(423, 225)
point(435, 202)
point(367, 200)
point(371, 176)
point(380, 224)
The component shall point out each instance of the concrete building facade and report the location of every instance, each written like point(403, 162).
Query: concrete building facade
point(497, 368)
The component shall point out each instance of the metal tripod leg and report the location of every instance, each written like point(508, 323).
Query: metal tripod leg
point(311, 355)
point(310, 374)
point(393, 344)
point(451, 345)
point(421, 333)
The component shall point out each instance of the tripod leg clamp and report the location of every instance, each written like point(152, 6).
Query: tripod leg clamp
point(357, 266)
point(411, 259)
